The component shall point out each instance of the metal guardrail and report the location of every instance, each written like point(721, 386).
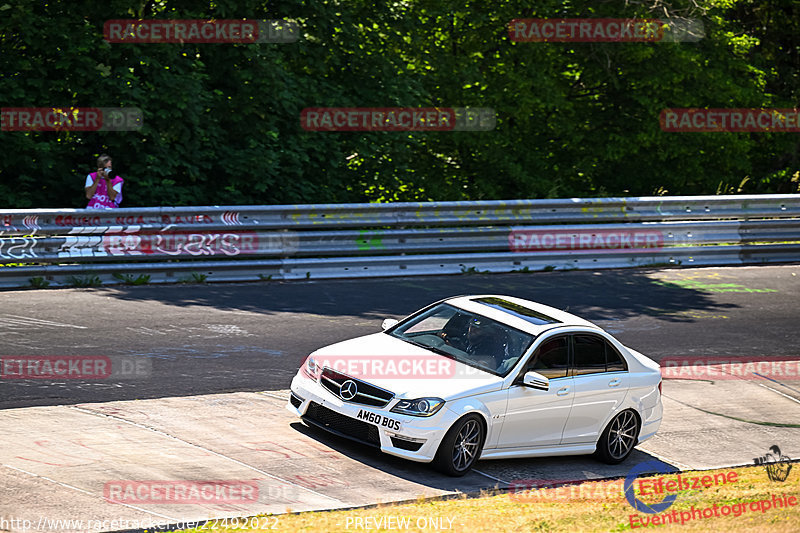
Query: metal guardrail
point(236, 243)
point(405, 214)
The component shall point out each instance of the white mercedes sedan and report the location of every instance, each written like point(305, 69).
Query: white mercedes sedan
point(489, 377)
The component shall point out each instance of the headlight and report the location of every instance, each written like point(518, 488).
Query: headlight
point(418, 407)
point(310, 368)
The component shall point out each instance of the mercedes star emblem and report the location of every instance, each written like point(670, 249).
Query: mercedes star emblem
point(348, 390)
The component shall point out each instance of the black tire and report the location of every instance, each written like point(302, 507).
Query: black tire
point(461, 446)
point(619, 438)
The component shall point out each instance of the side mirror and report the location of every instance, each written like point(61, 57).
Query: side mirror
point(388, 322)
point(535, 380)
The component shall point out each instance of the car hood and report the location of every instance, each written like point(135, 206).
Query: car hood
point(407, 370)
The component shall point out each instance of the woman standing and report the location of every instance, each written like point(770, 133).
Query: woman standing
point(103, 191)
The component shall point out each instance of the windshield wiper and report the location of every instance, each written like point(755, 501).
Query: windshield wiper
point(431, 348)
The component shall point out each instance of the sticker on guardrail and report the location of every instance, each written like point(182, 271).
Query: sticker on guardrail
point(107, 219)
point(231, 218)
point(523, 240)
point(31, 222)
point(118, 242)
point(200, 218)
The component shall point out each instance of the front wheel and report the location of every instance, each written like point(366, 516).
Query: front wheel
point(460, 447)
point(619, 438)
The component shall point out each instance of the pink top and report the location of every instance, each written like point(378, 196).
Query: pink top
point(100, 200)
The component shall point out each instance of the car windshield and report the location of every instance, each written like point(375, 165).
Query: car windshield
point(470, 338)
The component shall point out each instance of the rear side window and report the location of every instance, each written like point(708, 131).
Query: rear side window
point(551, 359)
point(614, 361)
point(590, 354)
point(594, 354)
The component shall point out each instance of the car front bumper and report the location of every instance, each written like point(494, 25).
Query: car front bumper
point(417, 438)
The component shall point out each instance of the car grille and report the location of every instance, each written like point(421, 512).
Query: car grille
point(367, 394)
point(342, 425)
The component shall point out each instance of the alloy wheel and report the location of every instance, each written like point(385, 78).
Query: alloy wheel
point(622, 435)
point(466, 445)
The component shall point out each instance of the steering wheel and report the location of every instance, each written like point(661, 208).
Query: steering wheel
point(437, 341)
point(454, 341)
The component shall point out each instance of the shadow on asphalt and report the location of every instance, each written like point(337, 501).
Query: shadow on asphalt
point(509, 473)
point(285, 321)
point(594, 295)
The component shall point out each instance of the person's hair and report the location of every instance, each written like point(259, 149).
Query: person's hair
point(102, 160)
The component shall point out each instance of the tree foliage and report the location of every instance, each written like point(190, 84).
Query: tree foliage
point(221, 121)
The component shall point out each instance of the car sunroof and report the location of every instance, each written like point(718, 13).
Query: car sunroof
point(519, 311)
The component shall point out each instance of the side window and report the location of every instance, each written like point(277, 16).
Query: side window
point(590, 354)
point(595, 354)
point(551, 359)
point(614, 361)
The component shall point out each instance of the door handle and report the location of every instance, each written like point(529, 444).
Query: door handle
point(563, 392)
point(614, 382)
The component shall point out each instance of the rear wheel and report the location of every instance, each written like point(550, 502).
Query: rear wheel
point(618, 439)
point(460, 447)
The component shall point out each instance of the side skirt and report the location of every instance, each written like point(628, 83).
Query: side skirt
point(507, 453)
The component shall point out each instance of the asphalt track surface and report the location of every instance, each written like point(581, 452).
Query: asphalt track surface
point(204, 339)
point(210, 400)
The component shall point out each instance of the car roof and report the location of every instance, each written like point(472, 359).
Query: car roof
point(525, 315)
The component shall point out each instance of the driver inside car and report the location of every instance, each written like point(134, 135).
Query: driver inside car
point(486, 343)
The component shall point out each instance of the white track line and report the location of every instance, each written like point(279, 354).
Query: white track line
point(35, 321)
point(491, 477)
point(779, 392)
point(664, 460)
point(273, 396)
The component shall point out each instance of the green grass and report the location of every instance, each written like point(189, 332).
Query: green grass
point(591, 506)
point(129, 279)
point(88, 280)
point(38, 282)
point(194, 277)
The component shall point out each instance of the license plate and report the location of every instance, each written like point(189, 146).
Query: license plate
point(379, 420)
